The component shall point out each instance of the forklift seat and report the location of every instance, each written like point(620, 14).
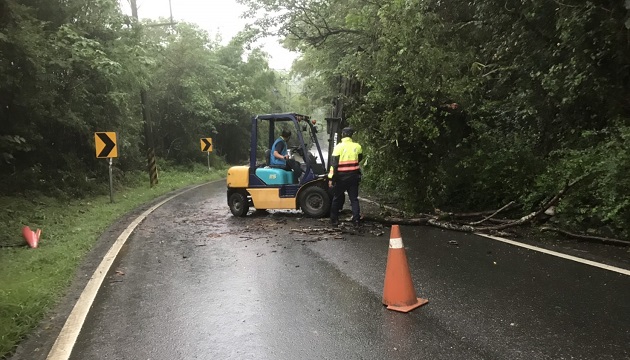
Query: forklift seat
point(267, 156)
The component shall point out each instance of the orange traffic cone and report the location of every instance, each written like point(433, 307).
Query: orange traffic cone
point(398, 291)
point(31, 237)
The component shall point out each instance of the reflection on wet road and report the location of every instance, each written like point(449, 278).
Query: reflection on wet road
point(194, 282)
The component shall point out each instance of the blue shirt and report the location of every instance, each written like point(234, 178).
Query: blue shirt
point(281, 147)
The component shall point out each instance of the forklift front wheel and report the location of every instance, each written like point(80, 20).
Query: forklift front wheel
point(239, 205)
point(315, 202)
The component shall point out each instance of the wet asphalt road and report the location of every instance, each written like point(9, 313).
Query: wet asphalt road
point(194, 282)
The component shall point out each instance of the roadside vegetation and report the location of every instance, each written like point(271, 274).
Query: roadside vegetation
point(461, 106)
point(73, 68)
point(33, 280)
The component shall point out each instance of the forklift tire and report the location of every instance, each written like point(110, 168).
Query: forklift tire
point(239, 205)
point(315, 202)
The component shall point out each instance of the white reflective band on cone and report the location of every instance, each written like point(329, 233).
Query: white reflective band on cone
point(395, 243)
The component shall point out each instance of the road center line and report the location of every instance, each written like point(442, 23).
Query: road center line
point(62, 348)
point(530, 247)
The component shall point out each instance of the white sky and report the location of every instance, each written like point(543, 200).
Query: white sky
point(215, 16)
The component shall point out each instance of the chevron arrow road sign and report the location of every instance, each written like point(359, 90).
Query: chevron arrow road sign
point(106, 145)
point(206, 144)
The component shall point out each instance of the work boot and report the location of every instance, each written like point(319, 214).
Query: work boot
point(356, 224)
point(334, 223)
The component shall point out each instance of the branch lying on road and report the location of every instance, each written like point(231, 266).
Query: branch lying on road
point(450, 226)
point(311, 231)
point(600, 239)
point(389, 220)
point(437, 220)
point(500, 221)
point(341, 229)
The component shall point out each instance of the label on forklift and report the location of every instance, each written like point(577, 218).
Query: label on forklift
point(273, 176)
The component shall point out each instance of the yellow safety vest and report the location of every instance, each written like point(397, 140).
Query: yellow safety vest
point(348, 152)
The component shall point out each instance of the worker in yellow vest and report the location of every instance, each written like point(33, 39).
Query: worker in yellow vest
point(345, 174)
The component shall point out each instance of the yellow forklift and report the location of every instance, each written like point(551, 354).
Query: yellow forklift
point(264, 187)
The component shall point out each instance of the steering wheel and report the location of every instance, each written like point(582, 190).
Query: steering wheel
point(297, 150)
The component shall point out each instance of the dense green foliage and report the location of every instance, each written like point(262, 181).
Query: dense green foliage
point(542, 89)
point(71, 68)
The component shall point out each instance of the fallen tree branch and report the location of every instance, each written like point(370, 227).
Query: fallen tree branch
point(435, 220)
point(446, 214)
point(432, 221)
point(527, 218)
point(500, 221)
point(491, 215)
point(600, 239)
point(388, 220)
point(450, 226)
point(316, 231)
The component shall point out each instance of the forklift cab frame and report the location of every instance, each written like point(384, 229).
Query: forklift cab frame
point(264, 187)
point(299, 122)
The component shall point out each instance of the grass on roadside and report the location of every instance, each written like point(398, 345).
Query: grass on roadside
point(33, 280)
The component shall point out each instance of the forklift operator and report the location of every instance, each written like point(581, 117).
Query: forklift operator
point(280, 157)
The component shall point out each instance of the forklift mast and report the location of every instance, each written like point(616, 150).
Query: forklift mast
point(334, 125)
point(333, 129)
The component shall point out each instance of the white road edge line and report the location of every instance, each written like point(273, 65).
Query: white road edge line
point(62, 348)
point(558, 254)
point(534, 248)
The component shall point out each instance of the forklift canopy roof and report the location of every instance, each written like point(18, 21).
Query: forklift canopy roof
point(283, 117)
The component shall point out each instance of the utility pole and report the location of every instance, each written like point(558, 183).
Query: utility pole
point(146, 115)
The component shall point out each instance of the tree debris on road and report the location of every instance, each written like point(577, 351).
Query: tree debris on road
point(467, 222)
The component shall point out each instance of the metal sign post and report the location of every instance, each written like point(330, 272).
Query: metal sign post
point(206, 146)
point(111, 183)
point(106, 147)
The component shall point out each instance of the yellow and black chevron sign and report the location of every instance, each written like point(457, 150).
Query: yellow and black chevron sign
point(206, 144)
point(106, 145)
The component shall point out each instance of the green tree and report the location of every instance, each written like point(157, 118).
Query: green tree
point(66, 76)
point(541, 86)
point(200, 88)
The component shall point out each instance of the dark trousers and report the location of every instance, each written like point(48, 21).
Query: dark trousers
point(296, 167)
point(349, 183)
